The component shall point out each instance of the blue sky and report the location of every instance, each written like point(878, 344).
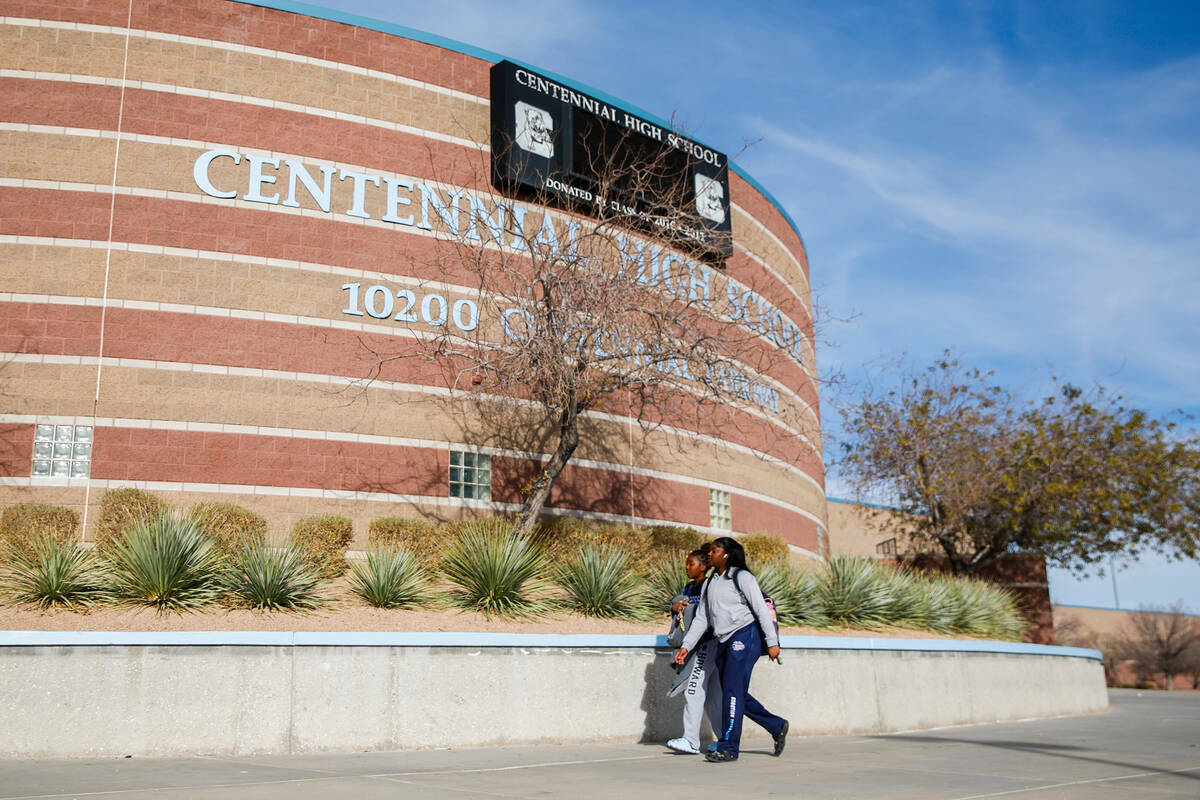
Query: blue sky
point(1017, 181)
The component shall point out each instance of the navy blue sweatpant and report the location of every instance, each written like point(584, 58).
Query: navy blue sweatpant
point(735, 661)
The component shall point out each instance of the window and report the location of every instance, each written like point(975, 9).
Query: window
point(62, 451)
point(470, 475)
point(718, 510)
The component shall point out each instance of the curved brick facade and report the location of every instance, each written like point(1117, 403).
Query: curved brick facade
point(198, 342)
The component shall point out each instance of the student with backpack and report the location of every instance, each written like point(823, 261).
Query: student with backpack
point(697, 677)
point(732, 606)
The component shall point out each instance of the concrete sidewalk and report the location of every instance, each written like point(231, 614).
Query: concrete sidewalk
point(1148, 746)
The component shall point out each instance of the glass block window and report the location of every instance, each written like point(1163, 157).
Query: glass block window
point(470, 475)
point(718, 510)
point(62, 451)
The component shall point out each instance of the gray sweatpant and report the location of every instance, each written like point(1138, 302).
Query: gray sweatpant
point(702, 690)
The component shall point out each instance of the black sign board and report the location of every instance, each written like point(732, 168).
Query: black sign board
point(582, 151)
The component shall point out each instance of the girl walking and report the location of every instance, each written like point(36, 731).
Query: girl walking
point(731, 605)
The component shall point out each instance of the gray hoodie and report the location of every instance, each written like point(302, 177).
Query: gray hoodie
point(729, 613)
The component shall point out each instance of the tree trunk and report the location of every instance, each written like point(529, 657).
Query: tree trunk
point(539, 493)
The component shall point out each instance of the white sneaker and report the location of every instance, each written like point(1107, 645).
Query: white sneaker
point(682, 745)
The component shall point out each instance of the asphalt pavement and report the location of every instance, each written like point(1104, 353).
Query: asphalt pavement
point(1146, 746)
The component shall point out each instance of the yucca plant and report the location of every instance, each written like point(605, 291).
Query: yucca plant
point(855, 592)
point(168, 563)
point(796, 593)
point(496, 571)
point(662, 582)
point(392, 577)
point(275, 579)
point(49, 572)
point(910, 606)
point(598, 583)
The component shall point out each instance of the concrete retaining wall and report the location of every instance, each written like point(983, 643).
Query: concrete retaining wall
point(96, 694)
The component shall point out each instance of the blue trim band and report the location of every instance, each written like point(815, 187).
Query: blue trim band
point(1129, 610)
point(491, 57)
point(855, 502)
point(526, 640)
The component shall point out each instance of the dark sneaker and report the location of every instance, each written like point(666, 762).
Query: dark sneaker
point(781, 739)
point(717, 756)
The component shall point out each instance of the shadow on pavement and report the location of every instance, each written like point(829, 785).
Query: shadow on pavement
point(1038, 748)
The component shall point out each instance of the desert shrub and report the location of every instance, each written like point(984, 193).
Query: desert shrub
point(496, 571)
point(391, 578)
point(168, 563)
point(321, 542)
point(50, 572)
point(231, 527)
point(23, 524)
point(763, 549)
point(261, 577)
point(423, 540)
point(562, 538)
point(855, 592)
point(122, 509)
point(598, 583)
point(984, 610)
point(662, 582)
point(804, 594)
point(796, 594)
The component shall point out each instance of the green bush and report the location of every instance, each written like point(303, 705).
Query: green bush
point(51, 572)
point(666, 541)
point(23, 524)
point(168, 563)
point(663, 581)
point(322, 543)
point(231, 527)
point(390, 578)
point(496, 571)
point(796, 594)
point(763, 549)
point(423, 540)
point(855, 592)
point(122, 509)
point(272, 579)
point(598, 583)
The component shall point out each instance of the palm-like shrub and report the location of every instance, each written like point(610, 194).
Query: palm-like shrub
point(23, 524)
point(855, 592)
point(598, 583)
point(796, 592)
point(168, 563)
point(272, 579)
point(663, 581)
point(391, 578)
point(496, 571)
point(49, 572)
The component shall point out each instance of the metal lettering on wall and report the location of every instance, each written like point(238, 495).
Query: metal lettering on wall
point(563, 144)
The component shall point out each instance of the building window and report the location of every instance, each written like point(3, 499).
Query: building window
point(718, 510)
point(62, 451)
point(470, 475)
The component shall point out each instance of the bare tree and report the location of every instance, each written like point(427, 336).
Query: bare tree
point(1160, 640)
point(602, 302)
